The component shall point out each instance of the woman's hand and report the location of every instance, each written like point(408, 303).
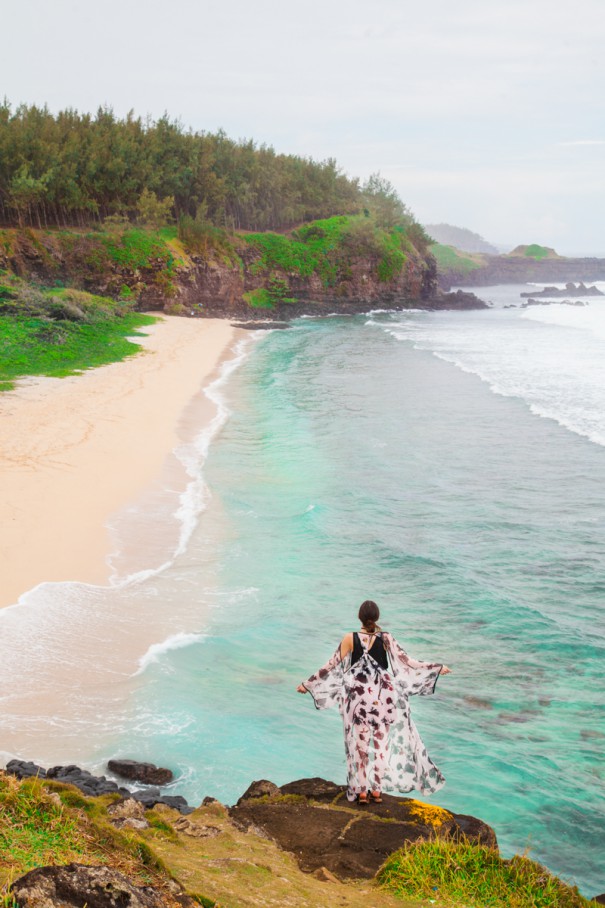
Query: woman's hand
point(301, 689)
point(445, 670)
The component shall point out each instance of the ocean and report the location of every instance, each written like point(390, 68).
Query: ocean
point(450, 466)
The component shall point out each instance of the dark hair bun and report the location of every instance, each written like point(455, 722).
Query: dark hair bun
point(369, 613)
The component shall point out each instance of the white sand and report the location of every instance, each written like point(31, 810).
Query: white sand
point(75, 450)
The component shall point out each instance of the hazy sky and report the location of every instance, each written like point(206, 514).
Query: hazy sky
point(483, 114)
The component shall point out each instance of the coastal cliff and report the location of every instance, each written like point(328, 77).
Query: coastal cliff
point(342, 264)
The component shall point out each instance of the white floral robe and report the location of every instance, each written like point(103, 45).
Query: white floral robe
point(374, 706)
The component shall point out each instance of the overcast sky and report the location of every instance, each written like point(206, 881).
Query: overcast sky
point(482, 114)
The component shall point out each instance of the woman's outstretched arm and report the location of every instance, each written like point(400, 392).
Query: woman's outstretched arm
point(346, 646)
point(418, 677)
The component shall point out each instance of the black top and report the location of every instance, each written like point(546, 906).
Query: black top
point(376, 650)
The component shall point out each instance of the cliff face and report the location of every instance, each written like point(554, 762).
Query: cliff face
point(218, 288)
point(251, 276)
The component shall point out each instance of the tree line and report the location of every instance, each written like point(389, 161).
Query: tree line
point(76, 169)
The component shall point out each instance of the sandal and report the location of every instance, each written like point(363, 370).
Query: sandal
point(362, 798)
point(376, 797)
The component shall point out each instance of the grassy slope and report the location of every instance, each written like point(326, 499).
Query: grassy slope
point(453, 260)
point(48, 823)
point(60, 332)
point(218, 864)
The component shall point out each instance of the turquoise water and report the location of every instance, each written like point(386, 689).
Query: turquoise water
point(358, 464)
point(450, 466)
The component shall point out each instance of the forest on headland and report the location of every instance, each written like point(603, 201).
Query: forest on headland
point(74, 169)
point(101, 216)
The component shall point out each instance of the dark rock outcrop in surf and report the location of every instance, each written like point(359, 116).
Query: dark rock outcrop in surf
point(148, 773)
point(95, 786)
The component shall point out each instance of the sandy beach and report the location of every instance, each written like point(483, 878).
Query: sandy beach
point(75, 450)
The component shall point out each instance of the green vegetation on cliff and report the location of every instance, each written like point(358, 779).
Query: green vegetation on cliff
point(49, 823)
point(150, 266)
point(328, 247)
point(216, 862)
point(535, 251)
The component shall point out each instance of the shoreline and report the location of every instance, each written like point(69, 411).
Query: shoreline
point(75, 451)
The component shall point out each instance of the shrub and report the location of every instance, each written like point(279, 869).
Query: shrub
point(258, 299)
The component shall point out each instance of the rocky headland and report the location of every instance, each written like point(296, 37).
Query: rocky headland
point(300, 844)
point(345, 267)
point(487, 270)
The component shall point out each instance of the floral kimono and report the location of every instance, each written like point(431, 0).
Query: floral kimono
point(373, 702)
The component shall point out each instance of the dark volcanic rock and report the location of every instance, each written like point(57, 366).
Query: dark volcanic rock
point(80, 884)
point(147, 773)
point(569, 290)
point(599, 899)
point(261, 789)
point(151, 796)
point(91, 786)
point(94, 786)
point(261, 325)
point(312, 819)
point(458, 299)
point(316, 788)
point(23, 769)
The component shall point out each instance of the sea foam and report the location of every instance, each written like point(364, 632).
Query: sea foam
point(551, 357)
point(157, 650)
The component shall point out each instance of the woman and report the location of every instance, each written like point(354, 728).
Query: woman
point(383, 747)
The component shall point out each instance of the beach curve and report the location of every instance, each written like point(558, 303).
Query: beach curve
point(75, 450)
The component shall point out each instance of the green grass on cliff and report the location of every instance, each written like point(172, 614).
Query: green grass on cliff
point(328, 248)
point(44, 823)
point(452, 875)
point(535, 251)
